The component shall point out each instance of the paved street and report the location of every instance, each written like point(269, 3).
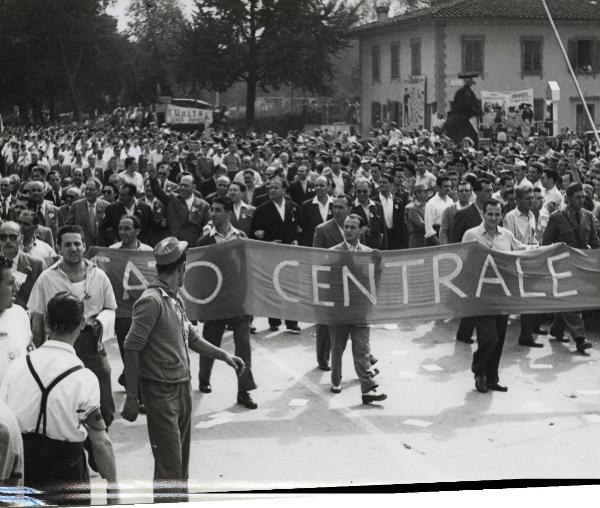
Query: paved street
point(433, 427)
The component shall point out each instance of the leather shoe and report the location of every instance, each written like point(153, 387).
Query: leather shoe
point(246, 400)
point(497, 388)
point(480, 383)
point(530, 343)
point(373, 396)
point(582, 345)
point(205, 387)
point(325, 367)
point(295, 329)
point(336, 389)
point(540, 331)
point(273, 328)
point(253, 330)
point(466, 340)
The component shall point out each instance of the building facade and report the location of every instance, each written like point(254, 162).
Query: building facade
point(412, 61)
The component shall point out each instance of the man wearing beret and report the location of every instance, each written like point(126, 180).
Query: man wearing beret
point(156, 358)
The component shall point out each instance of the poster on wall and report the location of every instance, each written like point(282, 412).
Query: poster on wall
point(513, 109)
point(413, 103)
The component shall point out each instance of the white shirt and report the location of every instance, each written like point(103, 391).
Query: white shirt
point(552, 194)
point(136, 179)
point(503, 240)
point(388, 209)
point(15, 336)
point(521, 225)
point(323, 209)
point(70, 401)
point(141, 246)
point(281, 209)
point(40, 249)
point(338, 182)
point(434, 208)
point(189, 202)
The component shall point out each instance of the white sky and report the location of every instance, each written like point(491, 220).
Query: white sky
point(119, 10)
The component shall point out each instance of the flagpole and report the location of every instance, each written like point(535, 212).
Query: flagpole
point(566, 56)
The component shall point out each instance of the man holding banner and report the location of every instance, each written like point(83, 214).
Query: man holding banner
point(491, 330)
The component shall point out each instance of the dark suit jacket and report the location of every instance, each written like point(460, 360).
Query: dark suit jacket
point(55, 200)
point(32, 267)
point(327, 235)
point(80, 215)
point(61, 216)
point(376, 237)
point(63, 171)
point(397, 236)
point(45, 235)
point(267, 218)
point(344, 246)
point(109, 227)
point(563, 227)
point(207, 187)
point(183, 223)
point(244, 223)
point(310, 218)
point(298, 195)
point(259, 196)
point(464, 219)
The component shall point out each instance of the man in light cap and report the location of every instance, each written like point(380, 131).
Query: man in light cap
point(156, 357)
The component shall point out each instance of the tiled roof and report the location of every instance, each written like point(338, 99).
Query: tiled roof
point(522, 9)
point(573, 10)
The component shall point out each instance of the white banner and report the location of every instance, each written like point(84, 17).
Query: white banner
point(181, 115)
point(511, 109)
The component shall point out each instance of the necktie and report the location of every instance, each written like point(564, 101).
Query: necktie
point(41, 218)
point(93, 218)
point(578, 216)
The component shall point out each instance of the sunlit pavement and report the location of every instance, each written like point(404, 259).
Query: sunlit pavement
point(434, 426)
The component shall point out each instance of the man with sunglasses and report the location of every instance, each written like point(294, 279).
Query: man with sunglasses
point(26, 268)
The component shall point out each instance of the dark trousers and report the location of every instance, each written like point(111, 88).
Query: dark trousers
point(572, 321)
point(466, 328)
point(86, 347)
point(529, 323)
point(491, 331)
point(323, 345)
point(213, 333)
point(169, 416)
point(58, 469)
point(277, 322)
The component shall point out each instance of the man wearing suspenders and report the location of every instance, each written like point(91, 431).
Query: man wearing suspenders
point(56, 402)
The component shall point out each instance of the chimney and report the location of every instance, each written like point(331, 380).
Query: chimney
point(382, 7)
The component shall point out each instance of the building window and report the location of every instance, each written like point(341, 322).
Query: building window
point(539, 110)
point(584, 55)
point(395, 61)
point(531, 55)
point(472, 54)
point(375, 67)
point(415, 57)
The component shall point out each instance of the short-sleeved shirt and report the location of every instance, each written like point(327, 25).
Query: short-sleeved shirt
point(70, 401)
point(98, 293)
point(15, 336)
point(11, 444)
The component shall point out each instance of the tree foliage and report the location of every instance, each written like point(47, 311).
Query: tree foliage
point(58, 51)
point(266, 43)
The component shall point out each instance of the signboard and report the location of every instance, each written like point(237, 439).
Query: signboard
point(188, 116)
point(511, 109)
point(413, 103)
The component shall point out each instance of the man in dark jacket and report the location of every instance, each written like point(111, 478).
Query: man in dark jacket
point(465, 106)
point(574, 226)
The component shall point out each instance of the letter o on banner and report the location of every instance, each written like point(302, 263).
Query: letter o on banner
point(217, 289)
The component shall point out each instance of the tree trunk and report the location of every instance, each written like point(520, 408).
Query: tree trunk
point(250, 100)
point(71, 81)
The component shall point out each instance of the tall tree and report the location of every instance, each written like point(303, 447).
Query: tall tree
point(266, 43)
point(154, 27)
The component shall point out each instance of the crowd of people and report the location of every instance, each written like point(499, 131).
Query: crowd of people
point(129, 184)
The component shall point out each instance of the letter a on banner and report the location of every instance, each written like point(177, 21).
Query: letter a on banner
point(130, 268)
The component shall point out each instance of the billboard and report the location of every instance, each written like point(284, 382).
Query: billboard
point(511, 109)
